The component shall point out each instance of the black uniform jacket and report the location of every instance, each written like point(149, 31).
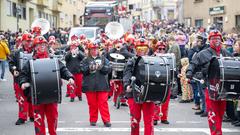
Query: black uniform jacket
point(73, 63)
point(14, 62)
point(202, 60)
point(95, 81)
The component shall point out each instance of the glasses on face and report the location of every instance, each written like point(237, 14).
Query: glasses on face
point(160, 49)
point(142, 48)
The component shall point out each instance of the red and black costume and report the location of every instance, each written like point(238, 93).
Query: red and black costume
point(136, 108)
point(49, 110)
point(95, 86)
point(25, 108)
point(215, 108)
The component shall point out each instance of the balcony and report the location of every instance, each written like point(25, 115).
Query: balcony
point(42, 3)
point(56, 4)
point(24, 1)
point(156, 4)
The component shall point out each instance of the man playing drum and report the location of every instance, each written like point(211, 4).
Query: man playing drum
point(136, 108)
point(41, 110)
point(215, 108)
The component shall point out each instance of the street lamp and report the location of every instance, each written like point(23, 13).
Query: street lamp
point(18, 13)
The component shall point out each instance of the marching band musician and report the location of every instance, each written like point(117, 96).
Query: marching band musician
point(161, 111)
point(49, 110)
point(147, 108)
point(128, 49)
point(73, 59)
point(25, 108)
point(215, 108)
point(53, 46)
point(118, 84)
point(36, 31)
point(95, 68)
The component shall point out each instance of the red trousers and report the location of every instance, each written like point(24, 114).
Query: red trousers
point(118, 91)
point(130, 102)
point(110, 94)
point(161, 112)
point(148, 111)
point(215, 111)
point(25, 108)
point(76, 90)
point(97, 101)
point(51, 113)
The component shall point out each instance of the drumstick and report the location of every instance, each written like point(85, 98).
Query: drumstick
point(201, 81)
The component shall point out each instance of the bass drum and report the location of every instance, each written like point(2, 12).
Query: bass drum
point(224, 78)
point(45, 77)
point(172, 66)
point(152, 79)
point(23, 59)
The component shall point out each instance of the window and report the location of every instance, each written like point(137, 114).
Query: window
point(197, 1)
point(24, 13)
point(9, 11)
point(39, 14)
point(238, 21)
point(199, 22)
point(14, 9)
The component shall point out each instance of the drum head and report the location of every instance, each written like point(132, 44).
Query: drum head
point(117, 56)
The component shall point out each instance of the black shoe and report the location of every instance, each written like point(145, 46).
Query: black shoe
point(164, 122)
point(93, 123)
point(184, 101)
point(31, 119)
point(191, 100)
point(124, 104)
point(72, 100)
point(173, 97)
point(115, 104)
point(237, 124)
point(155, 122)
point(67, 95)
point(80, 98)
point(199, 113)
point(226, 119)
point(107, 124)
point(20, 121)
point(204, 114)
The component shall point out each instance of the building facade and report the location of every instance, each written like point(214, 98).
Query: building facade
point(148, 10)
point(225, 14)
point(16, 14)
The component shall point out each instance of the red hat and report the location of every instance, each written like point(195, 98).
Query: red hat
point(74, 37)
point(160, 44)
point(51, 39)
point(141, 43)
point(82, 37)
point(214, 33)
point(130, 38)
point(92, 45)
point(39, 40)
point(37, 29)
point(27, 37)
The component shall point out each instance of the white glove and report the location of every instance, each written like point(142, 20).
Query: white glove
point(129, 89)
point(25, 85)
point(71, 81)
point(15, 73)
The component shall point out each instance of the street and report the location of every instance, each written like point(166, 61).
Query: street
point(73, 118)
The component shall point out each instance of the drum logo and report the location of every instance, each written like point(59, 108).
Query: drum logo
point(157, 73)
point(232, 86)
